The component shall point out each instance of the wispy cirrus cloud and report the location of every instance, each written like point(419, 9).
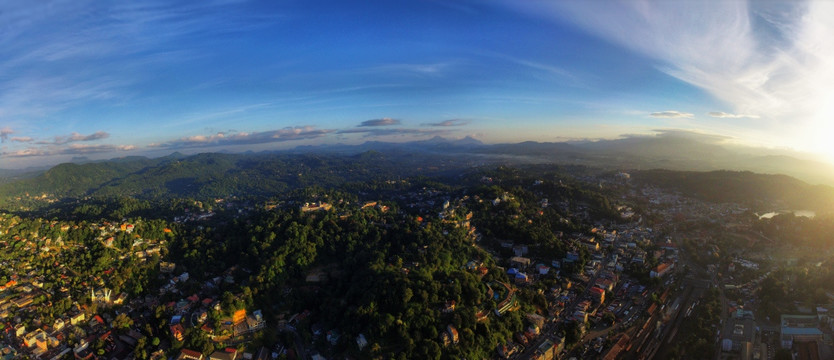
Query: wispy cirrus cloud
point(380, 122)
point(680, 134)
point(671, 114)
point(760, 57)
point(22, 139)
point(449, 123)
point(413, 134)
point(124, 41)
point(724, 115)
point(370, 132)
point(245, 138)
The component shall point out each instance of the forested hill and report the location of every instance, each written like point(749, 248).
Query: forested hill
point(743, 187)
point(217, 175)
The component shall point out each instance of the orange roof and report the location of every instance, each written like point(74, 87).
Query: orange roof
point(661, 267)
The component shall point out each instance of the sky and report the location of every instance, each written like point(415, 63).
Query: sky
point(101, 79)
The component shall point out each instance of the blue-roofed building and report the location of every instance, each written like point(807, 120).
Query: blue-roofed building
point(799, 328)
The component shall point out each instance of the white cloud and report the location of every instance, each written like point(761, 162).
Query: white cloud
point(671, 114)
point(724, 115)
point(772, 58)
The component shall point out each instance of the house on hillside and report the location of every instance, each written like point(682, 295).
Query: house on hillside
point(662, 269)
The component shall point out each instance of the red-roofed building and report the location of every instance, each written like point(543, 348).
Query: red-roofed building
point(177, 331)
point(186, 354)
point(193, 298)
point(598, 294)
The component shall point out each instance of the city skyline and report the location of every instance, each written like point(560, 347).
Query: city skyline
point(105, 80)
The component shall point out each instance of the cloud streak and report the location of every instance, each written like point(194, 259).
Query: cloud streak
point(759, 57)
point(393, 132)
point(449, 123)
point(73, 149)
point(125, 41)
point(380, 122)
point(74, 137)
point(723, 115)
point(245, 138)
point(671, 114)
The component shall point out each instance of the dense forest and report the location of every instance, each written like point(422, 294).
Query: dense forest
point(386, 273)
point(217, 175)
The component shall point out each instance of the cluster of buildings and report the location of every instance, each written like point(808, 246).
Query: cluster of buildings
point(605, 254)
point(81, 309)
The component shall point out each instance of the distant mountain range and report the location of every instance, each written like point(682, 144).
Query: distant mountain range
point(667, 151)
point(270, 173)
point(218, 175)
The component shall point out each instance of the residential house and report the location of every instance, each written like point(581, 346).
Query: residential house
point(598, 294)
point(361, 342)
point(77, 318)
point(227, 354)
point(177, 331)
point(662, 269)
point(520, 261)
point(186, 354)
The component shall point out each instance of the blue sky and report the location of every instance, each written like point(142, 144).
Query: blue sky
point(108, 79)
